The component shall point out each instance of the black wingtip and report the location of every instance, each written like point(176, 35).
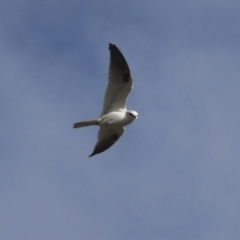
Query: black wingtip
point(92, 154)
point(116, 53)
point(113, 47)
point(110, 46)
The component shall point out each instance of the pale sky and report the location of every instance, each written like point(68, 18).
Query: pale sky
point(174, 174)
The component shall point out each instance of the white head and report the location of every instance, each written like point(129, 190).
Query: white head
point(132, 114)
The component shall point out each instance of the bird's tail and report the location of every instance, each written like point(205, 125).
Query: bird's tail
point(86, 123)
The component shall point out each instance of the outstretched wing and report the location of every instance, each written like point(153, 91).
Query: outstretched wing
point(119, 82)
point(107, 136)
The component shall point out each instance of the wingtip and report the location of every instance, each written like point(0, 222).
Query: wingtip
point(110, 45)
point(92, 155)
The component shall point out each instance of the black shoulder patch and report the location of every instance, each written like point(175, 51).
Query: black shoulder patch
point(126, 77)
point(115, 137)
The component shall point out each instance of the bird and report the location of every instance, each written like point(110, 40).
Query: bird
point(114, 116)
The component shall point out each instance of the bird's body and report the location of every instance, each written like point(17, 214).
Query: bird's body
point(116, 118)
point(114, 115)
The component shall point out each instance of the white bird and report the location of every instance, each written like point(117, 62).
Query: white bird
point(114, 115)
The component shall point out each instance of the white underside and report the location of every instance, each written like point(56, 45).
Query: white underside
point(119, 118)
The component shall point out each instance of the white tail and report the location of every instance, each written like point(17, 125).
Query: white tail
point(86, 123)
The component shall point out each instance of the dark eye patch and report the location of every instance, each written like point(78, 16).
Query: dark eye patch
point(131, 115)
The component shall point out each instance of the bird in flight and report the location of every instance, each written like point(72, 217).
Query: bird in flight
point(114, 116)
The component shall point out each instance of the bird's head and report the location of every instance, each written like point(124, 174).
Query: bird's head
point(132, 114)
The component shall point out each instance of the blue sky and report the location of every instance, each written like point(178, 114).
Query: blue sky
point(174, 174)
